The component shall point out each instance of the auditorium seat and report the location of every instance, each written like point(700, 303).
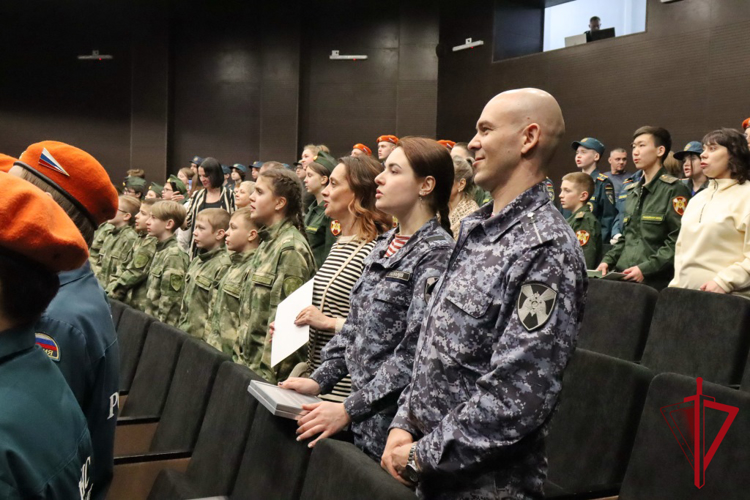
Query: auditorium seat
point(339, 469)
point(592, 432)
point(216, 459)
point(274, 462)
point(131, 335)
point(617, 318)
point(150, 386)
point(658, 468)
point(117, 309)
point(699, 334)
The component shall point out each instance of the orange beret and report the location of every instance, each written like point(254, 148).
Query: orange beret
point(447, 144)
point(363, 148)
point(6, 162)
point(388, 138)
point(746, 123)
point(76, 175)
point(34, 226)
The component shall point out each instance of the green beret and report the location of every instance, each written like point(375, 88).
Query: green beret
point(326, 161)
point(135, 182)
point(178, 184)
point(156, 188)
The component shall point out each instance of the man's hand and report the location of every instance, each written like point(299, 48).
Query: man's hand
point(302, 385)
point(604, 268)
point(633, 274)
point(712, 286)
point(324, 418)
point(393, 459)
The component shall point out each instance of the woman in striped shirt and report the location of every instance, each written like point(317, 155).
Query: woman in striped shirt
point(349, 201)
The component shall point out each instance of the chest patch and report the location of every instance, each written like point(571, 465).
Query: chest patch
point(536, 301)
point(49, 346)
point(398, 276)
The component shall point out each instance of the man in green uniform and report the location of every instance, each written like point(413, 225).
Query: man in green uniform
point(653, 215)
point(317, 223)
point(45, 447)
point(574, 196)
point(602, 202)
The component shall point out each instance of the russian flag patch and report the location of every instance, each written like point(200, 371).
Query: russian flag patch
point(49, 346)
point(47, 160)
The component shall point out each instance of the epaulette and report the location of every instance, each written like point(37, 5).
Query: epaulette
point(580, 215)
point(668, 179)
point(438, 240)
point(631, 186)
point(627, 181)
point(602, 177)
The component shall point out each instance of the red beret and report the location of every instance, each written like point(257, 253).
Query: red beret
point(746, 123)
point(363, 148)
point(76, 175)
point(388, 138)
point(34, 226)
point(447, 144)
point(6, 162)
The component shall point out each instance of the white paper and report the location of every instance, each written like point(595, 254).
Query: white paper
point(289, 337)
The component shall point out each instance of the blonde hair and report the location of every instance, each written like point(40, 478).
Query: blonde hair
point(462, 170)
point(581, 180)
point(165, 210)
point(245, 214)
point(132, 205)
point(249, 185)
point(148, 202)
point(136, 172)
point(218, 218)
point(190, 174)
point(312, 148)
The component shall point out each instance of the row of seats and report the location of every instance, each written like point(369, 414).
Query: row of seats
point(680, 331)
point(206, 437)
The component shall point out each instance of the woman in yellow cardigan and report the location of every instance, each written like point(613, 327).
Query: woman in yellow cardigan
point(713, 249)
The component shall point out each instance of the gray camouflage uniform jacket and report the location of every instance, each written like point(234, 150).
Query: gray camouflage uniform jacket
point(495, 341)
point(377, 344)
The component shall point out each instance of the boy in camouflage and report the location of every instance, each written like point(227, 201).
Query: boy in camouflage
point(117, 249)
point(575, 192)
point(100, 235)
point(166, 278)
point(224, 311)
point(205, 271)
point(130, 284)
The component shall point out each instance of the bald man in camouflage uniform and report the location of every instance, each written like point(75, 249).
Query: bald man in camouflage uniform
point(501, 325)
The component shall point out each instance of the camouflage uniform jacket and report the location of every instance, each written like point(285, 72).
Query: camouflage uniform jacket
point(494, 343)
point(166, 280)
point(282, 263)
point(131, 282)
point(201, 281)
point(115, 254)
point(100, 235)
point(224, 310)
point(377, 344)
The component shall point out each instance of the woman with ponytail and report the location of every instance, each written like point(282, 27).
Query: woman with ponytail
point(282, 264)
point(378, 341)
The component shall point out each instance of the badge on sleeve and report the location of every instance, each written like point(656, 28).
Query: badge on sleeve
point(335, 227)
point(591, 206)
point(583, 237)
point(49, 346)
point(609, 190)
point(679, 204)
point(429, 287)
point(535, 304)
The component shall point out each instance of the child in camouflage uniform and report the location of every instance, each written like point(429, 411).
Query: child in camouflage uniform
point(100, 235)
point(117, 249)
point(130, 285)
point(224, 311)
point(166, 278)
point(283, 263)
point(575, 191)
point(205, 271)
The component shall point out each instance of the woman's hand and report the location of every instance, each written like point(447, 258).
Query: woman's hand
point(312, 316)
point(324, 418)
point(712, 286)
point(302, 385)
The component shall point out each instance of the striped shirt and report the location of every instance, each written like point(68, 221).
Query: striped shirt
point(398, 242)
point(336, 303)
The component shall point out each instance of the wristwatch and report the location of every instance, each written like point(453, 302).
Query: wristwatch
point(411, 471)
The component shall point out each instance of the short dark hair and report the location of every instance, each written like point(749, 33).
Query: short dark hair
point(661, 136)
point(26, 288)
point(212, 168)
point(739, 152)
point(595, 18)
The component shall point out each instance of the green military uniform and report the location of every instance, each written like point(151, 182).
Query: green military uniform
point(203, 277)
point(653, 215)
point(44, 441)
point(100, 235)
point(223, 327)
point(282, 263)
point(481, 196)
point(116, 252)
point(130, 285)
point(318, 232)
point(166, 281)
point(589, 234)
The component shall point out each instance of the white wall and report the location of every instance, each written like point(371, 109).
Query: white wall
point(572, 18)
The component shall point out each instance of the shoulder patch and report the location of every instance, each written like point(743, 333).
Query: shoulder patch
point(176, 281)
point(429, 287)
point(679, 204)
point(536, 301)
point(583, 237)
point(49, 346)
point(668, 179)
point(335, 227)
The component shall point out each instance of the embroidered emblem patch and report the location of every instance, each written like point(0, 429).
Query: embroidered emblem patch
point(583, 237)
point(48, 161)
point(429, 287)
point(49, 346)
point(335, 227)
point(679, 204)
point(535, 304)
